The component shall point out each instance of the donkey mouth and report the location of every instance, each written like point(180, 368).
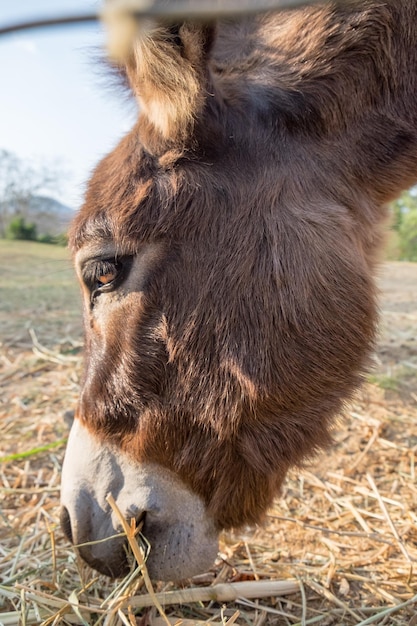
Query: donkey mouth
point(117, 565)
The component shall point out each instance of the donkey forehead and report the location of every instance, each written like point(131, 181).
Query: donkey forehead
point(134, 196)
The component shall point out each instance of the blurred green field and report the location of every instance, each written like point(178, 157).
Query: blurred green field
point(39, 291)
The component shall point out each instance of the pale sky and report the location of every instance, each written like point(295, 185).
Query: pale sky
point(56, 104)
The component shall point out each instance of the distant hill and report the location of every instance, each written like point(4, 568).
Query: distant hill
point(50, 216)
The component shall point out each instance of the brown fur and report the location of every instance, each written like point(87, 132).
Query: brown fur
point(260, 184)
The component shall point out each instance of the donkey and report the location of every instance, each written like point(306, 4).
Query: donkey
point(226, 252)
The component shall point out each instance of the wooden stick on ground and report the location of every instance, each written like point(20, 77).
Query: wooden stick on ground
point(224, 592)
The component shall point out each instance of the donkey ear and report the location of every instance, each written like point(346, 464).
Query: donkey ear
point(168, 73)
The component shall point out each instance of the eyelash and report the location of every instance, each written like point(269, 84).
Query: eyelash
point(102, 268)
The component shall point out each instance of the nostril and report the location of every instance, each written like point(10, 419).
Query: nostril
point(66, 524)
point(134, 516)
point(140, 520)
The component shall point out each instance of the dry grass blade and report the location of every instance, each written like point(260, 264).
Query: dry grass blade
point(382, 615)
point(233, 619)
point(330, 596)
point(389, 520)
point(47, 354)
point(137, 552)
point(192, 622)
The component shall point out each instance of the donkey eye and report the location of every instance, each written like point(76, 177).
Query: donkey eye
point(106, 279)
point(105, 274)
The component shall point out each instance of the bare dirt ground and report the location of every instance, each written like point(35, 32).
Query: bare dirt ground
point(345, 528)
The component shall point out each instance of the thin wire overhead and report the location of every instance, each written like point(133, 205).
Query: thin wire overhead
point(172, 11)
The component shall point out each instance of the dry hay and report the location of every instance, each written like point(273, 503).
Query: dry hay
point(339, 547)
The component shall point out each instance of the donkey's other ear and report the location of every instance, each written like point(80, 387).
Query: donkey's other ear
point(169, 76)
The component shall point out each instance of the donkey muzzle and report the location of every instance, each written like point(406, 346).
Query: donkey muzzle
point(181, 536)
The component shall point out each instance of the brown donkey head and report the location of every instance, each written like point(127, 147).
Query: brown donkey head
point(225, 252)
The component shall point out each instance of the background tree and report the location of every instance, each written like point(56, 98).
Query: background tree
point(404, 224)
point(20, 182)
point(408, 236)
point(18, 228)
